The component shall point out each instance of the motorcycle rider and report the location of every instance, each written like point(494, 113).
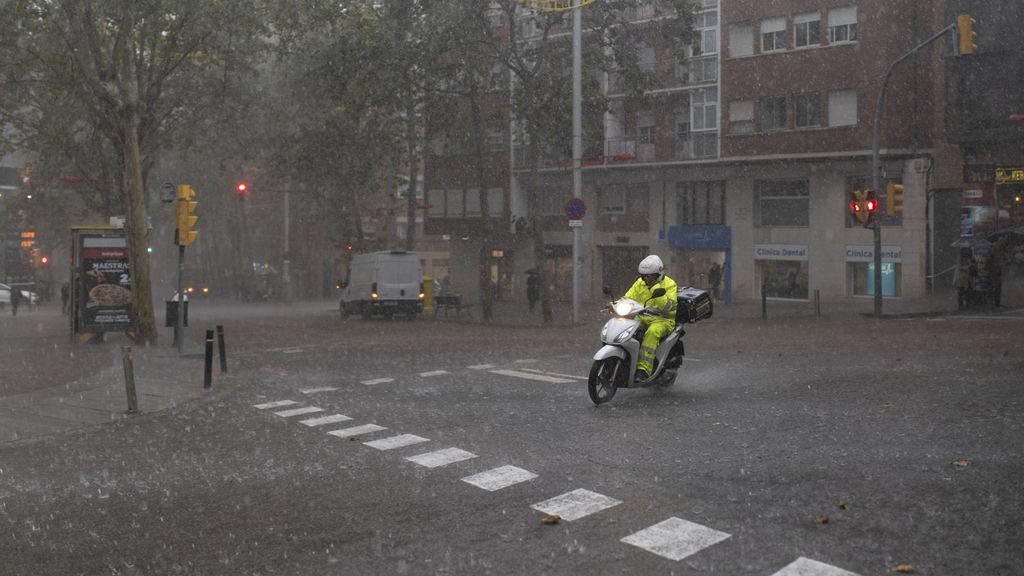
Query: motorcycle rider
point(652, 277)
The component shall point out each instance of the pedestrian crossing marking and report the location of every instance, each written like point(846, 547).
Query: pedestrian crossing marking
point(555, 374)
point(298, 411)
point(442, 457)
point(807, 567)
point(576, 504)
point(332, 419)
point(277, 404)
point(356, 430)
point(498, 478)
point(482, 367)
point(675, 538)
point(399, 441)
point(376, 381)
point(531, 376)
point(315, 390)
point(433, 373)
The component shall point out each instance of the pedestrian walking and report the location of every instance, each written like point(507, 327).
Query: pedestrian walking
point(16, 296)
point(961, 282)
point(65, 294)
point(715, 278)
point(532, 287)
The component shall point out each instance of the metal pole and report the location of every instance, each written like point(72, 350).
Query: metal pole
point(764, 302)
point(220, 346)
point(577, 152)
point(208, 362)
point(179, 320)
point(129, 379)
point(817, 303)
point(286, 278)
point(876, 162)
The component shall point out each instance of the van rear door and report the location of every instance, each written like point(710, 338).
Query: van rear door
point(398, 277)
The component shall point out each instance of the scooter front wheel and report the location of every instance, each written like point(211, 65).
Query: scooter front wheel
point(601, 385)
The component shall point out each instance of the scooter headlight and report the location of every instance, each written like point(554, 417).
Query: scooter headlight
point(625, 335)
point(622, 308)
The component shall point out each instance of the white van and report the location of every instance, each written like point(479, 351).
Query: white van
point(385, 283)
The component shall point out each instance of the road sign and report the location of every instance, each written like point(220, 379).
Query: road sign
point(575, 209)
point(575, 223)
point(167, 192)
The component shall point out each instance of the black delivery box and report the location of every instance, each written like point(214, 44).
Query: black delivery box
point(694, 305)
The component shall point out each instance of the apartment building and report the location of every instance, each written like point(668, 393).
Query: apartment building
point(748, 154)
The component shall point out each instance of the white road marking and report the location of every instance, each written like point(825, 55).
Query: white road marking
point(525, 361)
point(574, 376)
point(356, 430)
point(576, 504)
point(498, 478)
point(433, 373)
point(298, 411)
point(530, 376)
point(808, 567)
point(315, 390)
point(277, 404)
point(481, 367)
point(332, 419)
point(376, 381)
point(393, 442)
point(292, 351)
point(443, 457)
point(675, 538)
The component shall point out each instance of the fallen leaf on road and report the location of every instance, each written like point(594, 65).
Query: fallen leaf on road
point(961, 463)
point(551, 519)
point(904, 568)
point(823, 519)
point(844, 505)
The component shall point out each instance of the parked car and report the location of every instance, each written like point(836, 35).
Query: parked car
point(5, 296)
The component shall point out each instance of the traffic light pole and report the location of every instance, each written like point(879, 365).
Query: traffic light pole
point(179, 317)
point(876, 163)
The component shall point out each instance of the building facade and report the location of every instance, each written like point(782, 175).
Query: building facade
point(748, 154)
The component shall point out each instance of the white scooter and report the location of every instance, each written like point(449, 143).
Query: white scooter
point(615, 363)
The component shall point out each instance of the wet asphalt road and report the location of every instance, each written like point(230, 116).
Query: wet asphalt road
point(856, 443)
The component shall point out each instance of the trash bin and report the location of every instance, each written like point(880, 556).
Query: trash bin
point(171, 313)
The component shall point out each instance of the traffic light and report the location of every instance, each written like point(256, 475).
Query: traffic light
point(857, 206)
point(968, 38)
point(241, 189)
point(870, 208)
point(184, 207)
point(893, 198)
point(44, 260)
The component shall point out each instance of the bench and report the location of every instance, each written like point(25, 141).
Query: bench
point(451, 302)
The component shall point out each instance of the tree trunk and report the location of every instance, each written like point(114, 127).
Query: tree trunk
point(487, 235)
point(411, 141)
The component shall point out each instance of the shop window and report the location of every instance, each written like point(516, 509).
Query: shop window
point(861, 278)
point(783, 203)
point(784, 278)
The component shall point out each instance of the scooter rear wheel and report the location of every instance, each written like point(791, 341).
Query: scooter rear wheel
point(601, 385)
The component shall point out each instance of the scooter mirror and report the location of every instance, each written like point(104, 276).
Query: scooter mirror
point(658, 293)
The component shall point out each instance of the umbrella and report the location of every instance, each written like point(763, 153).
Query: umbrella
point(970, 242)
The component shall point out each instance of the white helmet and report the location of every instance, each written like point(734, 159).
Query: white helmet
point(652, 265)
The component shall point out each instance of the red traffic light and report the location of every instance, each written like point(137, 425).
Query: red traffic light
point(854, 206)
point(44, 260)
point(871, 205)
point(242, 188)
point(348, 247)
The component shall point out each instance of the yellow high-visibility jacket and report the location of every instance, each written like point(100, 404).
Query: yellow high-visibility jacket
point(665, 305)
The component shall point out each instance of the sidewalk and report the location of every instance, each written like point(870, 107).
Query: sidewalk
point(162, 378)
point(516, 313)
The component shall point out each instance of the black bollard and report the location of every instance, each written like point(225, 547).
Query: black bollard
point(220, 346)
point(208, 369)
point(764, 302)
